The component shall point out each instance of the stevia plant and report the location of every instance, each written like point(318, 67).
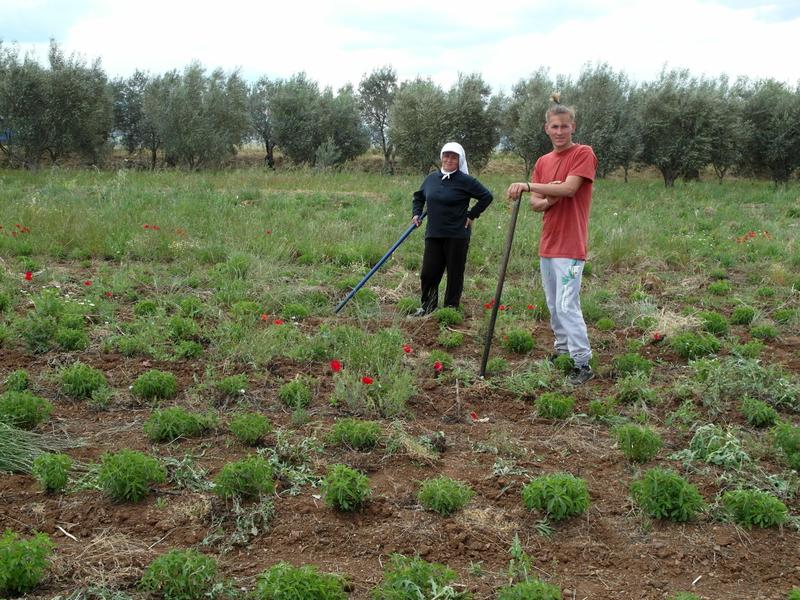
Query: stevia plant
point(356, 433)
point(530, 590)
point(283, 581)
point(246, 478)
point(558, 495)
point(344, 488)
point(79, 380)
point(169, 424)
point(638, 444)
point(663, 494)
point(552, 405)
point(758, 413)
point(52, 471)
point(23, 562)
point(126, 476)
point(180, 575)
point(518, 341)
point(754, 508)
point(24, 409)
point(249, 428)
point(407, 578)
point(295, 393)
point(444, 495)
point(155, 385)
point(16, 381)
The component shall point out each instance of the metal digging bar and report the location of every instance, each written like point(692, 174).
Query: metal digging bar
point(499, 290)
point(379, 264)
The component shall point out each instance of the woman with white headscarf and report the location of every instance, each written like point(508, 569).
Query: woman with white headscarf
point(447, 194)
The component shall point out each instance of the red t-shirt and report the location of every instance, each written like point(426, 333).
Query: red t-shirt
point(565, 228)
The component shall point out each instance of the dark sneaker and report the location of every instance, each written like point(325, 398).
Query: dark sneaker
point(420, 312)
point(581, 375)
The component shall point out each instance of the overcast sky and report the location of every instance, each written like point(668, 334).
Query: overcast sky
point(338, 41)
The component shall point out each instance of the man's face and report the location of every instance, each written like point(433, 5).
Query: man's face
point(560, 129)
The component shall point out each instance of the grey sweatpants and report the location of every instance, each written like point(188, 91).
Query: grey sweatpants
point(561, 279)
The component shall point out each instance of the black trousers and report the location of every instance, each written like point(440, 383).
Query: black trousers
point(443, 254)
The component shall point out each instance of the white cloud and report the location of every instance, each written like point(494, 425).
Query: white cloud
point(336, 42)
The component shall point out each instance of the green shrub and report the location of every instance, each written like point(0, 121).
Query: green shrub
point(285, 582)
point(232, 386)
point(356, 434)
point(181, 328)
point(170, 424)
point(743, 315)
point(691, 345)
point(663, 494)
point(518, 341)
point(23, 409)
point(530, 590)
point(442, 357)
point(188, 349)
point(719, 288)
point(155, 385)
point(787, 438)
point(191, 307)
point(246, 478)
point(552, 405)
point(758, 413)
point(79, 380)
point(295, 393)
point(126, 476)
point(415, 579)
point(558, 495)
point(751, 349)
point(784, 315)
point(684, 596)
point(751, 508)
point(16, 381)
point(714, 322)
point(448, 316)
point(23, 562)
point(601, 408)
point(564, 363)
point(52, 471)
point(630, 363)
point(180, 575)
point(71, 339)
point(250, 428)
point(145, 308)
point(605, 324)
point(37, 333)
point(794, 593)
point(638, 444)
point(444, 495)
point(496, 365)
point(344, 488)
point(450, 339)
point(635, 388)
point(764, 332)
point(765, 292)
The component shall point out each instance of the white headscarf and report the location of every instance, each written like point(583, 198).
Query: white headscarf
point(462, 157)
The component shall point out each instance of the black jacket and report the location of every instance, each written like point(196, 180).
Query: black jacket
point(448, 203)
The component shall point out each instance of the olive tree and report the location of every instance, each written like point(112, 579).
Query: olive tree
point(376, 94)
point(418, 123)
point(676, 113)
point(523, 123)
point(261, 119)
point(772, 117)
point(473, 117)
point(340, 123)
point(128, 109)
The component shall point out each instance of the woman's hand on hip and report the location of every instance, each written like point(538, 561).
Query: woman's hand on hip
point(416, 220)
point(468, 224)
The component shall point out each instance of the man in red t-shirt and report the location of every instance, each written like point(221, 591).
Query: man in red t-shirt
point(561, 188)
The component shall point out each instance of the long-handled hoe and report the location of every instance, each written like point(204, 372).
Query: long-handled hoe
point(500, 280)
point(379, 264)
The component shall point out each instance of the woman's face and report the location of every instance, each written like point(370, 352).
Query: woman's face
point(449, 161)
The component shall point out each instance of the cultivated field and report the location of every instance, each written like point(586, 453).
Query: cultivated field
point(214, 293)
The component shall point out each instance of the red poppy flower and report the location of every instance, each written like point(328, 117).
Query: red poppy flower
point(28, 275)
point(109, 294)
point(531, 307)
point(487, 305)
point(502, 307)
point(264, 316)
point(657, 337)
point(87, 283)
point(438, 366)
point(278, 322)
point(145, 226)
point(336, 366)
point(406, 348)
point(156, 227)
point(473, 415)
point(366, 380)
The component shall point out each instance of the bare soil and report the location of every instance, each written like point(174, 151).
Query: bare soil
point(611, 552)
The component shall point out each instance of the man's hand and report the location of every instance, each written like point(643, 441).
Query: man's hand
point(515, 190)
point(539, 204)
point(416, 220)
